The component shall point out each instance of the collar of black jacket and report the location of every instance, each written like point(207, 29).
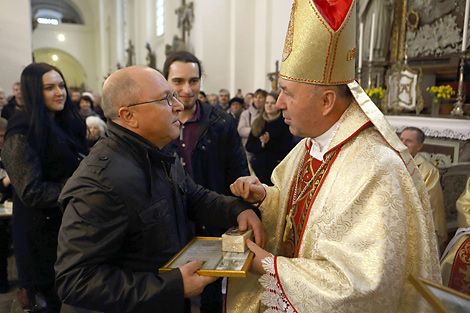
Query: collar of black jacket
point(139, 144)
point(209, 111)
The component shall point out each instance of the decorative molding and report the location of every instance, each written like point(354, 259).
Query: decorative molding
point(458, 129)
point(436, 39)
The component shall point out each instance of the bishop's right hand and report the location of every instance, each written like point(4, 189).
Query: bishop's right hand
point(249, 188)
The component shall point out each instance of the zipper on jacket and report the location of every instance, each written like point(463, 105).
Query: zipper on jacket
point(170, 180)
point(206, 130)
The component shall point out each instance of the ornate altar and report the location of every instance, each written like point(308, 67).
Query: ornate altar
point(432, 35)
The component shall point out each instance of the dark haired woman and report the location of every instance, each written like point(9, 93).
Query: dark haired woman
point(44, 144)
point(269, 141)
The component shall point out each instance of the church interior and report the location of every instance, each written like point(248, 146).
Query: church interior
point(406, 52)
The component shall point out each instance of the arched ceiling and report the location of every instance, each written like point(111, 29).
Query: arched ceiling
point(72, 70)
point(70, 13)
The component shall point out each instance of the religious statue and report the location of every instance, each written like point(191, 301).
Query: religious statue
point(151, 57)
point(130, 54)
point(185, 18)
point(177, 45)
point(274, 78)
point(381, 9)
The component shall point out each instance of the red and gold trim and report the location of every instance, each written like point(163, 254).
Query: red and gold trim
point(460, 274)
point(280, 287)
point(301, 203)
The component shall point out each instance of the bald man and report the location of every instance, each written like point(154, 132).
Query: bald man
point(127, 206)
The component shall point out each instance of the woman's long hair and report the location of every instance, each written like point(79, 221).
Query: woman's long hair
point(68, 126)
point(258, 124)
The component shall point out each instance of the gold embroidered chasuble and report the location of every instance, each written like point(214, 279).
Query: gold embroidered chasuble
point(455, 262)
point(432, 180)
point(368, 228)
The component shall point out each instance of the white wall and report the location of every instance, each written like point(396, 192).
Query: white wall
point(79, 42)
point(280, 14)
point(210, 40)
point(239, 41)
point(15, 41)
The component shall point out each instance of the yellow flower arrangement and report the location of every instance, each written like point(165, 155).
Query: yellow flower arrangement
point(375, 93)
point(441, 92)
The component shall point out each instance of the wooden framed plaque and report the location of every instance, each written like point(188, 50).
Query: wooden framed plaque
point(215, 261)
point(443, 299)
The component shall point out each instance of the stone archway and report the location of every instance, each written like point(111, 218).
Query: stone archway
point(73, 71)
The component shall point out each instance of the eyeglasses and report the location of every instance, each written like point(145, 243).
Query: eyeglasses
point(169, 99)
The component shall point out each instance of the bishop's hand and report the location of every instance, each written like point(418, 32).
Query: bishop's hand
point(260, 254)
point(249, 188)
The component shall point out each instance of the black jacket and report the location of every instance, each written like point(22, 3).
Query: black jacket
point(266, 158)
point(219, 157)
point(9, 109)
point(126, 214)
point(37, 181)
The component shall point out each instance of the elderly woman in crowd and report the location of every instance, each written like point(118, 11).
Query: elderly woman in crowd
point(96, 128)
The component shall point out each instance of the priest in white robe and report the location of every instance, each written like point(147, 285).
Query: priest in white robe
point(413, 139)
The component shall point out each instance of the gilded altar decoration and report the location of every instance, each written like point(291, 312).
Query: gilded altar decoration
point(437, 30)
point(402, 92)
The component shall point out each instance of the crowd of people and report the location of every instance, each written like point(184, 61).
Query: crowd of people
point(106, 190)
point(55, 129)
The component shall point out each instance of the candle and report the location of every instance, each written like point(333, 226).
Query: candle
point(465, 26)
point(361, 34)
point(372, 33)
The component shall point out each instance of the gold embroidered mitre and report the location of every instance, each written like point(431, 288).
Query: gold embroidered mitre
point(320, 45)
point(320, 49)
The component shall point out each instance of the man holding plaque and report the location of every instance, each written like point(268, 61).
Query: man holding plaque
point(126, 208)
point(348, 218)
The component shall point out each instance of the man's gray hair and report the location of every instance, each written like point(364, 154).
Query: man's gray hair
point(117, 93)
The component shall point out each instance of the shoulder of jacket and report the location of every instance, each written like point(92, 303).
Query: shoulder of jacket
point(214, 113)
point(103, 155)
